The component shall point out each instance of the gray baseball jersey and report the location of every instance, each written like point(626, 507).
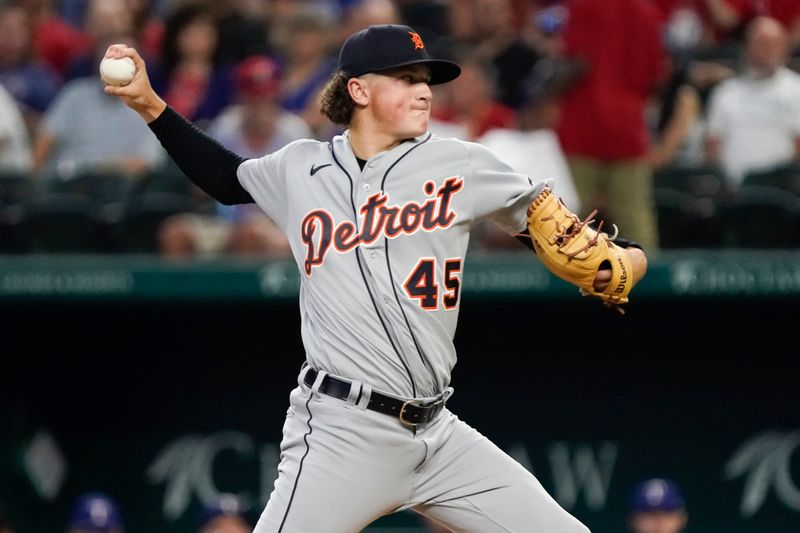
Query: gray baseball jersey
point(381, 251)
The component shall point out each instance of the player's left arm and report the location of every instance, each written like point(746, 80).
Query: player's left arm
point(507, 197)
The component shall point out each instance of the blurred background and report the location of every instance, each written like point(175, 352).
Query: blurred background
point(149, 337)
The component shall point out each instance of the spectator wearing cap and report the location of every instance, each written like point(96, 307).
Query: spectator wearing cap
point(95, 512)
point(226, 514)
point(544, 32)
point(718, 22)
point(254, 125)
point(657, 506)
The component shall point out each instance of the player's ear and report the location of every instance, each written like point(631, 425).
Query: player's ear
point(358, 90)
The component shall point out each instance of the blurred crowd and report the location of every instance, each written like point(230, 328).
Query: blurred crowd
point(679, 120)
point(655, 505)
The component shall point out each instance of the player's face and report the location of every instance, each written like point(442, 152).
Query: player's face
point(400, 100)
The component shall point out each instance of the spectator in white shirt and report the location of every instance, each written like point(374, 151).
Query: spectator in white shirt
point(754, 118)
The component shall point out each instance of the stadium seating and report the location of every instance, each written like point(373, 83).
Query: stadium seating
point(785, 177)
point(687, 202)
point(686, 221)
point(699, 182)
point(760, 216)
point(15, 188)
point(93, 211)
point(141, 216)
point(63, 223)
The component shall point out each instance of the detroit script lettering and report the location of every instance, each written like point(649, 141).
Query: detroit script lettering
point(378, 217)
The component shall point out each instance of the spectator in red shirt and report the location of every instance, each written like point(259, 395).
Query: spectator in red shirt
point(618, 44)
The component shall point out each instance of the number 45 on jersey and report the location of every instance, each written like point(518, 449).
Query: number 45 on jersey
point(421, 284)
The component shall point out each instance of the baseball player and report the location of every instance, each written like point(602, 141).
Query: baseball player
point(378, 220)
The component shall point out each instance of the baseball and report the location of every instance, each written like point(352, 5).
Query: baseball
point(115, 71)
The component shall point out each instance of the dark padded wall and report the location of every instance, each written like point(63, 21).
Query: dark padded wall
point(675, 387)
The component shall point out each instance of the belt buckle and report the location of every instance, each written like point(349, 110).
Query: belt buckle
point(434, 405)
point(403, 412)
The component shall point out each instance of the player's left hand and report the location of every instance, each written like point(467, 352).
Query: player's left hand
point(638, 262)
point(578, 253)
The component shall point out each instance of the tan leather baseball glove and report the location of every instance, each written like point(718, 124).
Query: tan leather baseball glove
point(574, 251)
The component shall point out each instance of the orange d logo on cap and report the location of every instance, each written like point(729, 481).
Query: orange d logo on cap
point(417, 40)
point(383, 47)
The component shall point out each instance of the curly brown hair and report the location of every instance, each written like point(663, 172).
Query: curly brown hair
point(335, 102)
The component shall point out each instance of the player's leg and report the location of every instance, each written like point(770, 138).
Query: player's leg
point(587, 177)
point(471, 485)
point(631, 202)
point(341, 467)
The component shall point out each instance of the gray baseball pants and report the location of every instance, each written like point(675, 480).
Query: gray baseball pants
point(342, 467)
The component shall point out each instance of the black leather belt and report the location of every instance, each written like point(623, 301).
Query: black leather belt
point(410, 412)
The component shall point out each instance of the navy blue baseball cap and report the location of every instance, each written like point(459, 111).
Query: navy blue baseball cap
point(97, 512)
point(657, 495)
point(383, 47)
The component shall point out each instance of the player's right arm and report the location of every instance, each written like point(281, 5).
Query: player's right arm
point(211, 166)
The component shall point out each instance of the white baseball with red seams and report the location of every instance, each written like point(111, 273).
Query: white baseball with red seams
point(117, 71)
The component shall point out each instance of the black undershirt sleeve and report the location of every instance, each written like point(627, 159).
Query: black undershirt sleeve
point(525, 239)
point(211, 166)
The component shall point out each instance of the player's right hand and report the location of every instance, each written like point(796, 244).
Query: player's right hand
point(138, 94)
